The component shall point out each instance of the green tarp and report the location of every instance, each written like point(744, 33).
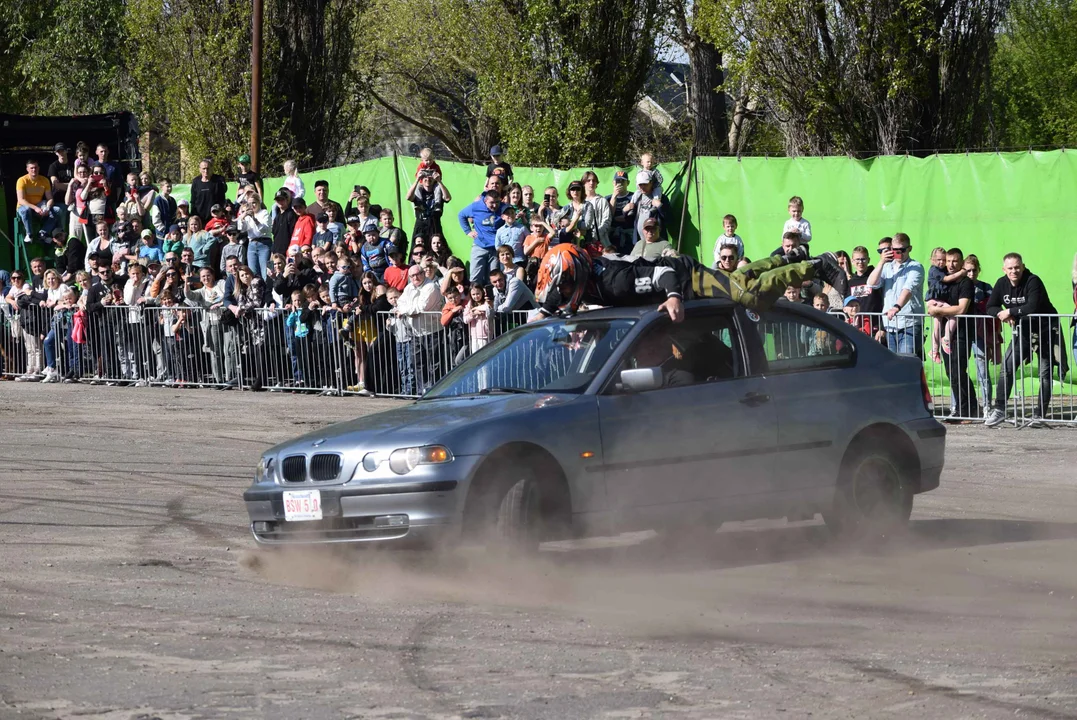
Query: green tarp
point(987, 203)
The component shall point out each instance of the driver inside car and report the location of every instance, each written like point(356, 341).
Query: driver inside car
point(686, 356)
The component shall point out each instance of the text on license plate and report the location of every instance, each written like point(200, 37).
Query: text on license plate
point(302, 505)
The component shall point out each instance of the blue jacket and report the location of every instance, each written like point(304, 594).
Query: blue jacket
point(376, 257)
point(342, 288)
point(485, 222)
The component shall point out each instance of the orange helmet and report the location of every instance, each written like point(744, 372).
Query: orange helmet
point(564, 264)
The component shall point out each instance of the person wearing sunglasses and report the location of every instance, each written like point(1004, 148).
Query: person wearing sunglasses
point(901, 280)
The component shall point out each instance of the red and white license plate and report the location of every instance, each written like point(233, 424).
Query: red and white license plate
point(302, 505)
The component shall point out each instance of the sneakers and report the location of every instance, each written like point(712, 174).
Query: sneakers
point(51, 376)
point(797, 254)
point(360, 389)
point(28, 377)
point(828, 270)
point(1036, 421)
point(142, 383)
point(995, 417)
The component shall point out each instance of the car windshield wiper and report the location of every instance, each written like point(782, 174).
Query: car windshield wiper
point(509, 390)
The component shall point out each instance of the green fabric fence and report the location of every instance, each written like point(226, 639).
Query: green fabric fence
point(986, 203)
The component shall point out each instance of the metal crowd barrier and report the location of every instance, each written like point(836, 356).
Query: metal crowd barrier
point(971, 362)
point(976, 362)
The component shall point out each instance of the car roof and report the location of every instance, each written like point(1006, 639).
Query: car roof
point(635, 313)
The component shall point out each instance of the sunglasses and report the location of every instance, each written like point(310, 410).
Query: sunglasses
point(860, 259)
point(727, 257)
point(900, 250)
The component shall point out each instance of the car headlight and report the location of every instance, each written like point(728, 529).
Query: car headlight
point(405, 460)
point(265, 470)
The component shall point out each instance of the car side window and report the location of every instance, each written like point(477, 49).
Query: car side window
point(702, 349)
point(797, 344)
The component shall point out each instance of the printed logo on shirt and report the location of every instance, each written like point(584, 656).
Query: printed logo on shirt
point(643, 285)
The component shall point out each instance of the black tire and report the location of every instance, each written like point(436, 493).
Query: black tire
point(874, 495)
point(519, 524)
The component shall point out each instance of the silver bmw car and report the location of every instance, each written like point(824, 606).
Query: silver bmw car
point(620, 420)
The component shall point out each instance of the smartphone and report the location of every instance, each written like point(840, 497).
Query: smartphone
point(291, 260)
point(356, 188)
point(549, 198)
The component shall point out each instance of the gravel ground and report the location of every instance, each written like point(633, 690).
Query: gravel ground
point(130, 588)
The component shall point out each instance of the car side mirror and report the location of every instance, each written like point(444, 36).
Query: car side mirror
point(641, 379)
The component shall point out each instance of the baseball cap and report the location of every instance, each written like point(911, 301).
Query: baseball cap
point(58, 233)
point(575, 185)
point(650, 222)
point(496, 150)
point(370, 227)
point(173, 228)
point(508, 209)
point(147, 233)
point(59, 147)
point(245, 159)
point(216, 208)
point(643, 176)
point(322, 217)
point(620, 176)
point(181, 201)
point(353, 219)
point(232, 228)
point(852, 299)
point(299, 203)
point(283, 194)
point(293, 250)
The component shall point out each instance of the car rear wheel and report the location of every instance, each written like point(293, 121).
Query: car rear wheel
point(874, 495)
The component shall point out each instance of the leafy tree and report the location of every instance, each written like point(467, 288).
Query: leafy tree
point(1035, 75)
point(64, 57)
point(878, 76)
point(555, 81)
point(192, 70)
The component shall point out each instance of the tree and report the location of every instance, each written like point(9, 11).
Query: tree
point(192, 68)
point(878, 76)
point(57, 60)
point(706, 100)
point(556, 82)
point(1035, 83)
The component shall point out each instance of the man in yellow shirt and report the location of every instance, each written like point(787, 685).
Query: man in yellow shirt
point(34, 193)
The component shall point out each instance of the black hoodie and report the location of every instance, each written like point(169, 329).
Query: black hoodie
point(1027, 297)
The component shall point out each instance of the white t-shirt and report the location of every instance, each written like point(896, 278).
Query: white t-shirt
point(801, 226)
point(57, 294)
point(723, 241)
point(294, 184)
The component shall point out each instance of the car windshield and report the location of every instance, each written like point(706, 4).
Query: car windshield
point(561, 356)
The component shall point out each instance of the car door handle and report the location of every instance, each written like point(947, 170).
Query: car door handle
point(753, 399)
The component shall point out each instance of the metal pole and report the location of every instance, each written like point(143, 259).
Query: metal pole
point(399, 207)
point(256, 85)
point(687, 189)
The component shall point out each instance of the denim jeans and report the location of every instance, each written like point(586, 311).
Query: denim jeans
point(50, 349)
point(483, 260)
point(258, 257)
point(405, 362)
point(48, 223)
point(983, 378)
point(908, 340)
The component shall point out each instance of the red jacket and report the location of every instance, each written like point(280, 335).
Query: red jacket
point(303, 234)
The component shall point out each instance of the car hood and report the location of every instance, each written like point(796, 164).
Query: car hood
point(419, 423)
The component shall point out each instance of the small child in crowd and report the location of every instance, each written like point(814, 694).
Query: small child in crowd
point(728, 238)
point(797, 222)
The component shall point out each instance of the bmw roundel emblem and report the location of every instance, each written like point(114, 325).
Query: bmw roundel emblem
point(752, 316)
point(318, 443)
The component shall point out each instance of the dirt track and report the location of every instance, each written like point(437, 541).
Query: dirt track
point(129, 588)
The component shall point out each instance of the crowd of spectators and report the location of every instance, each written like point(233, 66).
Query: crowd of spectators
point(137, 286)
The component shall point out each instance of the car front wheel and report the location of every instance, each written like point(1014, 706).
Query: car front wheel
point(874, 495)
